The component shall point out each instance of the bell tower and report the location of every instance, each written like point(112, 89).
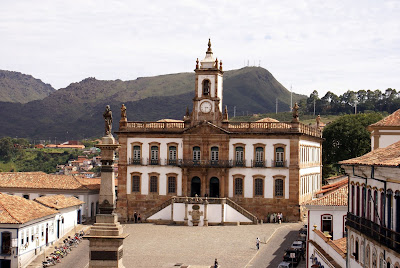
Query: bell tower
point(207, 103)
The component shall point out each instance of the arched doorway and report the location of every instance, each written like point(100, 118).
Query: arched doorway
point(214, 187)
point(195, 186)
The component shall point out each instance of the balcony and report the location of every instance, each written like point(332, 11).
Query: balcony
point(262, 164)
point(172, 162)
point(206, 163)
point(239, 163)
point(135, 161)
point(153, 162)
point(380, 234)
point(279, 163)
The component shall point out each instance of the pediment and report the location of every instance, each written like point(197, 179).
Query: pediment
point(205, 128)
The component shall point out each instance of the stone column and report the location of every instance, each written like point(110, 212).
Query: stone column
point(106, 237)
point(205, 219)
point(172, 209)
point(186, 223)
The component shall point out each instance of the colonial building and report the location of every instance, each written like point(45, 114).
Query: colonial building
point(373, 220)
point(386, 131)
point(265, 166)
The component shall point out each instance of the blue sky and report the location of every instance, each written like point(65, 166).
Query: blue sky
point(311, 45)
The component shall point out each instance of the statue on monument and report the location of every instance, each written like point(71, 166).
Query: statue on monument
point(108, 120)
point(123, 111)
point(295, 113)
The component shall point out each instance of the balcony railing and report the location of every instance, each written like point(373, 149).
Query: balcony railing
point(258, 163)
point(172, 162)
point(153, 162)
point(380, 234)
point(206, 163)
point(278, 163)
point(135, 161)
point(239, 163)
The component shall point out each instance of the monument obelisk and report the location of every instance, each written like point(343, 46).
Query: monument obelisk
point(106, 237)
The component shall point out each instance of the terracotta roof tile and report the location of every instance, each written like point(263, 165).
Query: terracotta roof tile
point(92, 183)
point(335, 198)
point(341, 243)
point(59, 201)
point(15, 209)
point(392, 120)
point(388, 156)
point(39, 180)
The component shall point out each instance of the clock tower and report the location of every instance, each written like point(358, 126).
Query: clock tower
point(207, 103)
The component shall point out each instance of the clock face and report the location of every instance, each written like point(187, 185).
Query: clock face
point(205, 107)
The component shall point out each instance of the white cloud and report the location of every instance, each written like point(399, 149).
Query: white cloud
point(322, 45)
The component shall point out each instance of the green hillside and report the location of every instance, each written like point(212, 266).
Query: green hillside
point(22, 88)
point(75, 112)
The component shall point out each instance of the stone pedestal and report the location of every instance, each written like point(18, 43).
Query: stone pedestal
point(106, 237)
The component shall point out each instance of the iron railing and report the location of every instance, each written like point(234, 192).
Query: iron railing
point(258, 163)
point(279, 163)
point(135, 161)
point(380, 234)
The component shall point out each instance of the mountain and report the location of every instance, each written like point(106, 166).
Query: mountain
point(76, 111)
point(22, 88)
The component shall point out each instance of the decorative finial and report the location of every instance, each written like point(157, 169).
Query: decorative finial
point(123, 111)
point(226, 113)
point(295, 113)
point(216, 63)
point(220, 65)
point(209, 45)
point(197, 63)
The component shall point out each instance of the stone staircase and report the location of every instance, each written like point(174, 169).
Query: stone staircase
point(195, 200)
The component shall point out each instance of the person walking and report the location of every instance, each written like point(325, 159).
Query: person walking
point(135, 217)
point(215, 263)
point(279, 218)
point(258, 243)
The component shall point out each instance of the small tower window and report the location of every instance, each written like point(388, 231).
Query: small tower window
point(206, 87)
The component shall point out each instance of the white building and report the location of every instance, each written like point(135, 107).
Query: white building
point(326, 241)
point(373, 220)
point(32, 185)
point(386, 131)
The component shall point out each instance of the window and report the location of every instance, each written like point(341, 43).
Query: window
point(259, 187)
point(239, 156)
point(356, 251)
point(214, 155)
point(22, 237)
point(259, 157)
point(382, 216)
point(389, 208)
point(358, 201)
point(6, 243)
point(279, 188)
point(172, 155)
point(136, 155)
point(154, 155)
point(238, 186)
point(136, 183)
point(369, 197)
point(32, 234)
point(326, 224)
point(206, 87)
point(375, 206)
point(196, 154)
point(279, 157)
point(352, 199)
point(171, 185)
point(26, 196)
point(153, 184)
point(27, 236)
point(363, 203)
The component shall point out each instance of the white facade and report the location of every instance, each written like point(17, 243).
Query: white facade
point(337, 214)
point(384, 138)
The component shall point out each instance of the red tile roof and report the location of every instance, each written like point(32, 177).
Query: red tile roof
point(392, 120)
point(40, 180)
point(388, 156)
point(335, 198)
point(17, 210)
point(333, 186)
point(59, 201)
point(341, 243)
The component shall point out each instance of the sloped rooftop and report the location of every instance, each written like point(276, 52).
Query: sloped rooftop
point(392, 120)
point(388, 156)
point(18, 210)
point(335, 198)
point(59, 201)
point(41, 180)
point(267, 119)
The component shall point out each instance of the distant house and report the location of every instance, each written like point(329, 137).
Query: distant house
point(386, 131)
point(326, 244)
point(26, 227)
point(32, 185)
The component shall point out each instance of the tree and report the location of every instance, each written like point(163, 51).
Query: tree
point(347, 137)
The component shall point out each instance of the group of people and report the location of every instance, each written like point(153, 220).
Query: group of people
point(275, 217)
point(136, 218)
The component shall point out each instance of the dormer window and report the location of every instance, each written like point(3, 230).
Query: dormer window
point(206, 87)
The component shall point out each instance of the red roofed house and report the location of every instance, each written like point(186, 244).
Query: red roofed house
point(386, 131)
point(373, 219)
point(326, 229)
point(32, 185)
